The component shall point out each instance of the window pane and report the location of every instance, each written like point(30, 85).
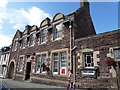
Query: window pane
point(38, 63)
point(88, 60)
point(23, 42)
point(63, 59)
point(55, 62)
point(31, 39)
point(117, 54)
point(44, 62)
point(43, 36)
point(21, 62)
point(43, 58)
point(58, 31)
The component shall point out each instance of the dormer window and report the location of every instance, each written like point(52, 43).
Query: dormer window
point(14, 48)
point(32, 39)
point(23, 42)
point(43, 36)
point(58, 31)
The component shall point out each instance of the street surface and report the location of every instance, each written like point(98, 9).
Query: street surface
point(13, 85)
point(9, 83)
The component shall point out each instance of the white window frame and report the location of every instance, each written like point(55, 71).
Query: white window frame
point(14, 47)
point(58, 32)
point(23, 42)
point(37, 71)
point(55, 61)
point(43, 35)
point(33, 39)
point(65, 60)
point(43, 62)
point(85, 59)
point(21, 63)
point(118, 53)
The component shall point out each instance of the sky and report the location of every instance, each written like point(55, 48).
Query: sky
point(16, 15)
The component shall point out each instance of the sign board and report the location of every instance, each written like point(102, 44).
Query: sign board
point(63, 71)
point(32, 59)
point(88, 73)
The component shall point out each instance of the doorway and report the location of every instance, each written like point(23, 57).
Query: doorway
point(28, 71)
point(11, 70)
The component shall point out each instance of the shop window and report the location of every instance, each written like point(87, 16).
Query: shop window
point(21, 63)
point(38, 64)
point(58, 31)
point(88, 60)
point(43, 36)
point(117, 54)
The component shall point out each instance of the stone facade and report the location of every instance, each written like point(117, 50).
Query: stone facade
point(30, 44)
point(100, 46)
point(36, 50)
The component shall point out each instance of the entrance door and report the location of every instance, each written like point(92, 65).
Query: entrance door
point(11, 70)
point(28, 70)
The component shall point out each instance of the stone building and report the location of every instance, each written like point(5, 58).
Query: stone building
point(4, 59)
point(47, 53)
point(48, 46)
point(92, 54)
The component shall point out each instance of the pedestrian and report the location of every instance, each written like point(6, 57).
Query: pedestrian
point(70, 83)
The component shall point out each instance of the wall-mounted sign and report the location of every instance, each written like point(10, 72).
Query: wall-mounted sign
point(32, 59)
point(88, 73)
point(63, 71)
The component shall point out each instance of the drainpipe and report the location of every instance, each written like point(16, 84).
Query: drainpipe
point(72, 50)
point(70, 27)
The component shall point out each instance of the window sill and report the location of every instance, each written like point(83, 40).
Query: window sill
point(23, 48)
point(58, 39)
point(19, 70)
point(42, 43)
point(31, 46)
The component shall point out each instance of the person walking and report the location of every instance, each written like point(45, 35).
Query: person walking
point(70, 83)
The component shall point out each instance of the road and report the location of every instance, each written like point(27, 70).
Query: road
point(13, 85)
point(9, 83)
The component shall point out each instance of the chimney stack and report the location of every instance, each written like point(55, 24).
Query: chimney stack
point(84, 3)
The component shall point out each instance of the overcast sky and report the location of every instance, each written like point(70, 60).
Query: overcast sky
point(15, 15)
